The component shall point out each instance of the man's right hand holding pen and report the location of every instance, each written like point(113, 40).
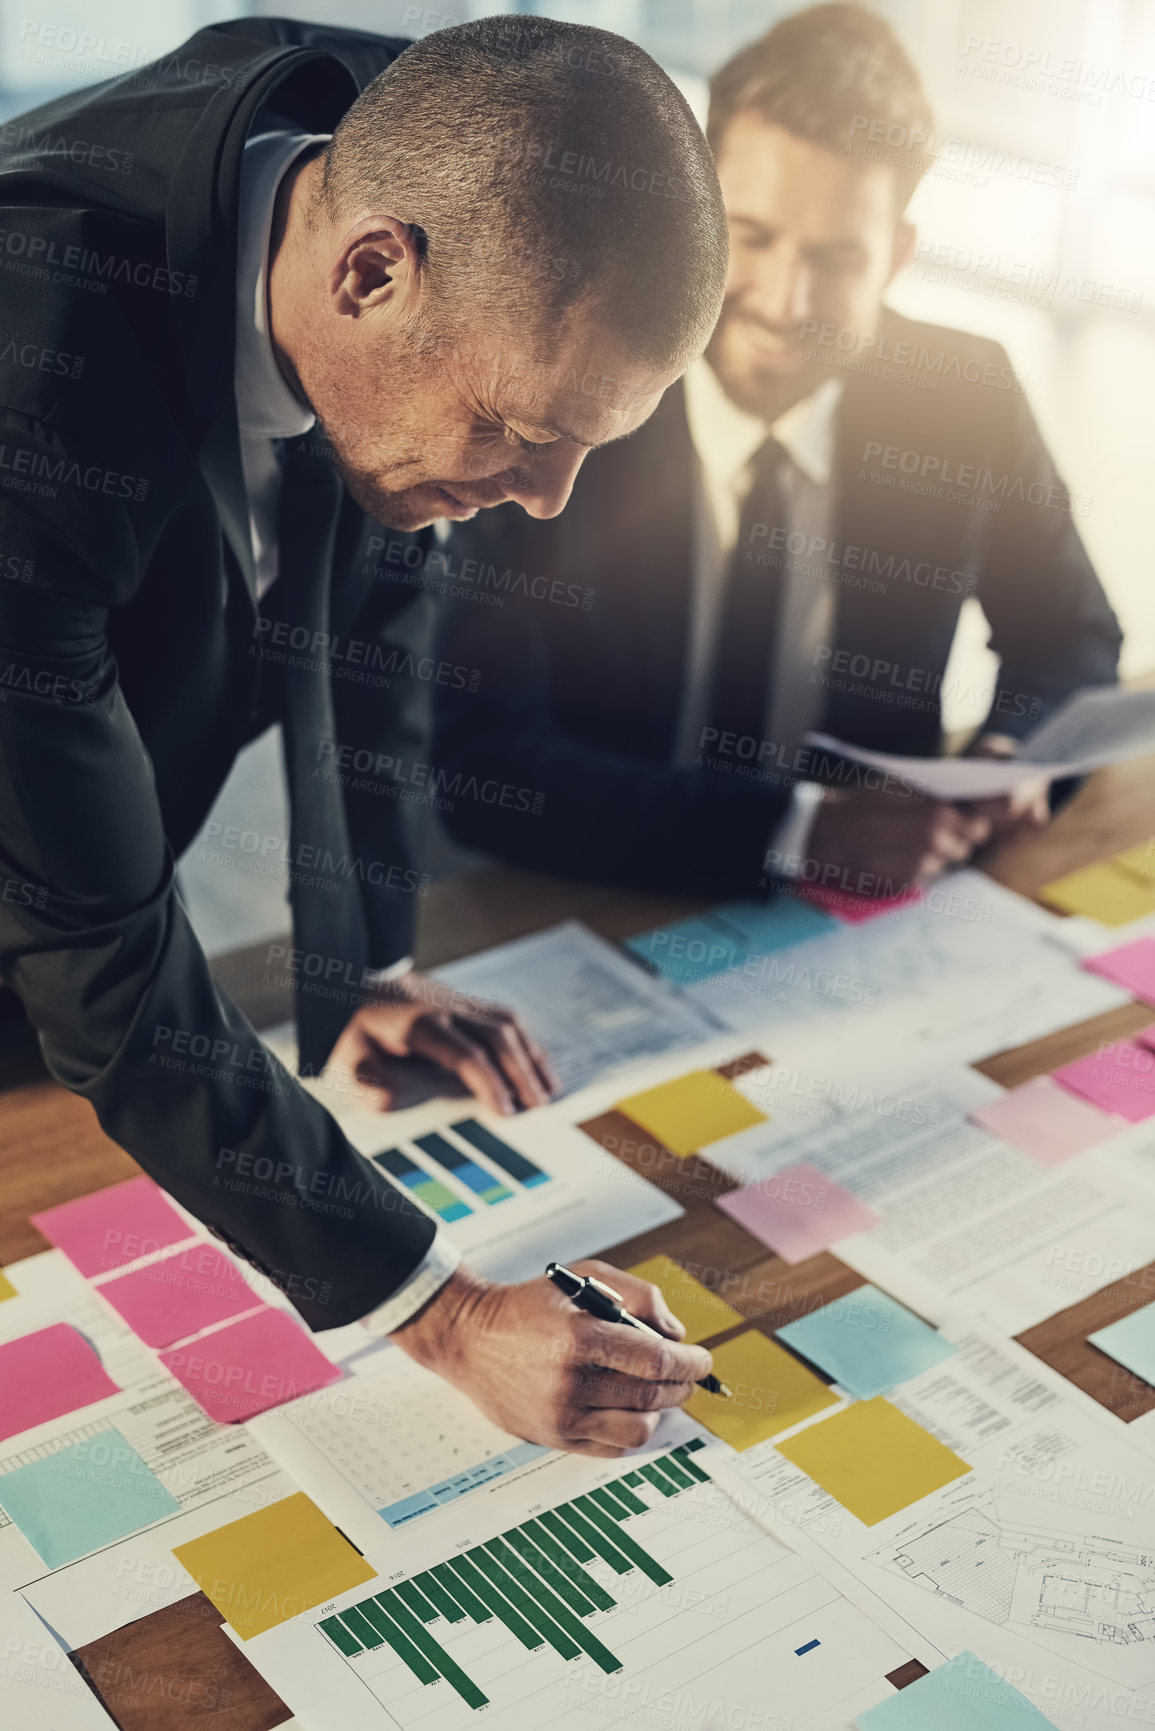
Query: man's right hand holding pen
point(544, 1370)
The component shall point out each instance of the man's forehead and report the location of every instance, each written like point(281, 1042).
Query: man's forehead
point(585, 399)
point(767, 174)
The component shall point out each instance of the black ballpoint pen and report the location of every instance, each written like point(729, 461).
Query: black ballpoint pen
point(609, 1306)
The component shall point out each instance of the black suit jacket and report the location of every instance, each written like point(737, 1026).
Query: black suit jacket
point(580, 625)
point(128, 678)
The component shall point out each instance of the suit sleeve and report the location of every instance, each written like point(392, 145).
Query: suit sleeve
point(1051, 624)
point(94, 940)
point(520, 786)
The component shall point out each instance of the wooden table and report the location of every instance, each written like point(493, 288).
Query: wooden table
point(52, 1149)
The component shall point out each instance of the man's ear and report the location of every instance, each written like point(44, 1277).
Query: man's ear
point(378, 263)
point(905, 236)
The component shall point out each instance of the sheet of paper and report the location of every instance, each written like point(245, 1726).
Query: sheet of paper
point(1131, 966)
point(1095, 727)
point(695, 949)
point(798, 1212)
point(246, 1367)
point(702, 1312)
point(692, 1111)
point(196, 1460)
point(273, 1564)
point(1047, 1122)
point(591, 1008)
point(47, 1374)
point(873, 1459)
point(867, 1342)
point(1119, 1077)
point(113, 1226)
point(1106, 893)
point(964, 1695)
point(769, 1392)
point(1131, 1342)
point(39, 1686)
point(634, 1574)
point(968, 970)
point(966, 1220)
point(80, 1497)
point(569, 1199)
point(179, 1295)
point(1036, 1559)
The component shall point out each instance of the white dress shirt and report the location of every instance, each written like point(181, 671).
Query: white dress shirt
point(725, 439)
point(268, 410)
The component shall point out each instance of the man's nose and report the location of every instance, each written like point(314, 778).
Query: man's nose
point(784, 287)
point(543, 485)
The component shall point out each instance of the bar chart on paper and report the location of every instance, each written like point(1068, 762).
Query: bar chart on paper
point(647, 1573)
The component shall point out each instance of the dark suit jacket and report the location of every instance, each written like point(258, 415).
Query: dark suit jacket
point(943, 489)
point(127, 618)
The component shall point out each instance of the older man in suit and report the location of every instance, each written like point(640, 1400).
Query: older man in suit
point(284, 286)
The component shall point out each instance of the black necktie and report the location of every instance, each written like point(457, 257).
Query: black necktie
point(750, 603)
point(324, 891)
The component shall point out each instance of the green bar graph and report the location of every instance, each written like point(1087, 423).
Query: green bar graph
point(469, 1602)
point(536, 1610)
point(531, 1580)
point(411, 1593)
point(433, 1652)
point(342, 1638)
point(375, 1613)
point(517, 1625)
point(638, 1558)
point(552, 1573)
point(437, 1595)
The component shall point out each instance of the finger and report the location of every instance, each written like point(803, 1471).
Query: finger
point(948, 844)
point(639, 1355)
point(445, 1045)
point(503, 1040)
point(612, 1390)
point(640, 1297)
point(605, 1429)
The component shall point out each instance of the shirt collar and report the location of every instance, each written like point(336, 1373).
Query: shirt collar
point(266, 407)
point(726, 437)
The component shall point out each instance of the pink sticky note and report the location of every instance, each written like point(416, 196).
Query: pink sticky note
point(47, 1374)
point(113, 1226)
point(852, 908)
point(798, 1212)
point(1119, 1077)
point(1131, 966)
point(249, 1366)
point(1047, 1122)
point(179, 1295)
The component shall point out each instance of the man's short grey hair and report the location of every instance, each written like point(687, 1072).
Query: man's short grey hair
point(545, 165)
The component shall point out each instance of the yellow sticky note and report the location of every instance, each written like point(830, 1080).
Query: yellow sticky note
point(702, 1311)
point(273, 1564)
point(770, 1392)
point(1140, 861)
point(693, 1111)
point(873, 1459)
point(7, 1290)
point(1103, 892)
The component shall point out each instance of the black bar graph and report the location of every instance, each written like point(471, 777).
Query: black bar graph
point(513, 1164)
point(531, 1581)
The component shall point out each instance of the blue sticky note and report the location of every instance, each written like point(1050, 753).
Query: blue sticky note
point(964, 1695)
point(84, 1496)
point(689, 950)
point(866, 1342)
point(1130, 1342)
point(774, 925)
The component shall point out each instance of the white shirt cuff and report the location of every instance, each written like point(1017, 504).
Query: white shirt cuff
point(395, 971)
point(441, 1260)
point(786, 854)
